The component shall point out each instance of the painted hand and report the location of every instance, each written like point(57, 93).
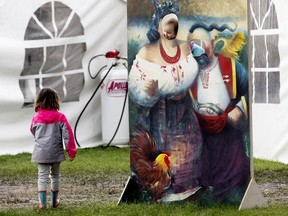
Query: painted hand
point(236, 118)
point(151, 87)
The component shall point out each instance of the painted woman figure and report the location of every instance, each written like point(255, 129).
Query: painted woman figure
point(166, 142)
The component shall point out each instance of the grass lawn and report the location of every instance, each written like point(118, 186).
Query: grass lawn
point(94, 163)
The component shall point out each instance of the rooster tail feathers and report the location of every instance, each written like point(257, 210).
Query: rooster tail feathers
point(149, 172)
point(142, 144)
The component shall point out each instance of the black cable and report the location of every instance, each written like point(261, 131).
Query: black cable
point(89, 66)
point(75, 135)
point(123, 109)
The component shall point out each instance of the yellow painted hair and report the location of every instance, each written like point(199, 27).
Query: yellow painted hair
point(234, 45)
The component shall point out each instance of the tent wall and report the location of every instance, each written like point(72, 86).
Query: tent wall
point(268, 36)
point(31, 39)
point(104, 26)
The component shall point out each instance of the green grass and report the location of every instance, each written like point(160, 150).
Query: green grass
point(261, 165)
point(185, 209)
point(14, 166)
point(98, 161)
point(90, 161)
point(266, 171)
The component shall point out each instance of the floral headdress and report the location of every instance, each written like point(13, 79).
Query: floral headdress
point(161, 10)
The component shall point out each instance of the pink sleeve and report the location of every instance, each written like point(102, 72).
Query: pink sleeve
point(69, 140)
point(31, 126)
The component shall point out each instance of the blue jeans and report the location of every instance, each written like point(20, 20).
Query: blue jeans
point(48, 171)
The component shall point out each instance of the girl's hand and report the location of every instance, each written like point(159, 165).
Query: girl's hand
point(151, 87)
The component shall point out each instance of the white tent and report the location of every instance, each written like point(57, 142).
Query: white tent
point(268, 21)
point(101, 26)
point(33, 34)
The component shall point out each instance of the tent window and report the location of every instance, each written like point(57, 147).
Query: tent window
point(54, 49)
point(265, 58)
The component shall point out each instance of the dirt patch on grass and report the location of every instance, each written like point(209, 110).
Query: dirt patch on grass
point(23, 194)
point(107, 189)
point(275, 192)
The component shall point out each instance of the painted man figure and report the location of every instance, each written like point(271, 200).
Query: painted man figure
point(220, 101)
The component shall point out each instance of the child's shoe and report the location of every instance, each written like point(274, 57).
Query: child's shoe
point(54, 199)
point(42, 199)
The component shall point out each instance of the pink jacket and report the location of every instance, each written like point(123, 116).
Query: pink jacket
point(51, 130)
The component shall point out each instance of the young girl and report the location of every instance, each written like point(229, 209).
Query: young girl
point(50, 129)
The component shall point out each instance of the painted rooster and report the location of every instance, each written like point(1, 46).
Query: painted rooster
point(150, 166)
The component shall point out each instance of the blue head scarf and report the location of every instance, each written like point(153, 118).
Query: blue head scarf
point(167, 7)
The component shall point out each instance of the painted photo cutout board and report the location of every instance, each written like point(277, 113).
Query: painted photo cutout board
point(188, 92)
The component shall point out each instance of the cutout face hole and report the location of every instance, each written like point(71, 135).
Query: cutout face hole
point(170, 26)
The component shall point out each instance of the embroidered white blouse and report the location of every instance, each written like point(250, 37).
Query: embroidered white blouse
point(172, 79)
